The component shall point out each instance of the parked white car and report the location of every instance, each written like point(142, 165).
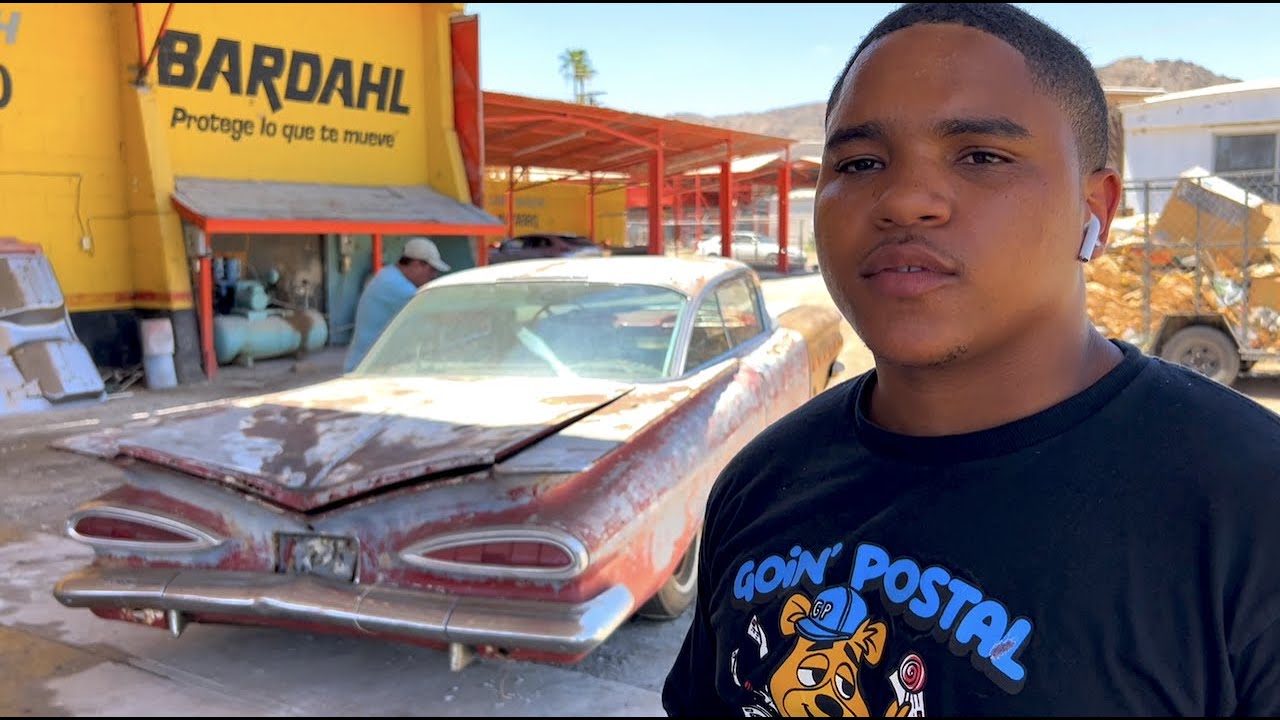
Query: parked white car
point(753, 248)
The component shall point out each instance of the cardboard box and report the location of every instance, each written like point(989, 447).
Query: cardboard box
point(1264, 286)
point(1272, 236)
point(1217, 215)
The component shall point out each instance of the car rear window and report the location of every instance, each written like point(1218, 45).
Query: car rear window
point(532, 328)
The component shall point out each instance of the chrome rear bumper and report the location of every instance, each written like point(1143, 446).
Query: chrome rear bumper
point(411, 614)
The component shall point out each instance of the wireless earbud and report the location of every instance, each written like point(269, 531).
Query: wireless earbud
point(1090, 238)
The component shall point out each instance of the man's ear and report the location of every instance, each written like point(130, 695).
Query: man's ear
point(1102, 196)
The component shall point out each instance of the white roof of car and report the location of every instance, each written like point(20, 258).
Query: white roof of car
point(687, 275)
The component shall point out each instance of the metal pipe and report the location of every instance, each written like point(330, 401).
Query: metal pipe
point(155, 47)
point(726, 202)
point(591, 207)
point(656, 180)
point(697, 209)
point(784, 212)
point(142, 38)
point(1146, 265)
point(511, 201)
point(206, 316)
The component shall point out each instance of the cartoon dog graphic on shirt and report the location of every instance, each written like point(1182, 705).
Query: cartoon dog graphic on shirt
point(836, 640)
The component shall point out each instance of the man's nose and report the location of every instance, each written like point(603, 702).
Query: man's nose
point(913, 195)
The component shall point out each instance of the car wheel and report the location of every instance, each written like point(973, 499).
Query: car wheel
point(771, 259)
point(678, 591)
point(1206, 350)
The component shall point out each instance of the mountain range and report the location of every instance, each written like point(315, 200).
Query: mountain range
point(804, 122)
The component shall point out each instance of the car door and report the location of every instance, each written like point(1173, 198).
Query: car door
point(773, 373)
point(508, 250)
point(540, 246)
point(746, 247)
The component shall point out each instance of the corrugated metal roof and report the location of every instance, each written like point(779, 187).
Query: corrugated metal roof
point(537, 132)
point(267, 200)
point(1210, 91)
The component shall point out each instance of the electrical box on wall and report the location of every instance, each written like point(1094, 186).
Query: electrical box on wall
point(196, 240)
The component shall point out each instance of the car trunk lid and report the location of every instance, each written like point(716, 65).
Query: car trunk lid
point(309, 448)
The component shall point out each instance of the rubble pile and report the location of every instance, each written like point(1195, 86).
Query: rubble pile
point(1117, 283)
point(1213, 249)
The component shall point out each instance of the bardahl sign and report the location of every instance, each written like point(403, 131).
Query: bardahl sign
point(9, 29)
point(277, 74)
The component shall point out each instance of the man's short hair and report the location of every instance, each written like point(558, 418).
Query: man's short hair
point(1058, 67)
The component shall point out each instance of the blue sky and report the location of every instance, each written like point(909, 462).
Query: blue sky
point(715, 59)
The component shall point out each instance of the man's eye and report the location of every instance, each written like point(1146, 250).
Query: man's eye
point(981, 157)
point(858, 165)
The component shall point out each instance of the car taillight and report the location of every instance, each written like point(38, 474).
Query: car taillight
point(523, 552)
point(512, 554)
point(125, 528)
point(102, 528)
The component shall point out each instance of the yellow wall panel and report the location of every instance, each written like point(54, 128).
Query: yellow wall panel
point(61, 175)
point(561, 207)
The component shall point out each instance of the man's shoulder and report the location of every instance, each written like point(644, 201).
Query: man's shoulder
point(1185, 390)
point(390, 280)
point(1216, 418)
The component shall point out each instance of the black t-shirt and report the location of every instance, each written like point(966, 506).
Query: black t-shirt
point(1116, 554)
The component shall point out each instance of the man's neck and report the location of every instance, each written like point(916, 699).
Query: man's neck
point(977, 393)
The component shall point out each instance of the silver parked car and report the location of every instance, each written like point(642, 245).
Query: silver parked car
point(753, 248)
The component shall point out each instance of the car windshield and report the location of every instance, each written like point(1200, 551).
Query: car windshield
point(535, 328)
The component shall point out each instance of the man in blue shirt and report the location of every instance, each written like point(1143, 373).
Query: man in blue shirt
point(389, 291)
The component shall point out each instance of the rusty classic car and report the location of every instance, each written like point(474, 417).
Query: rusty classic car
point(519, 465)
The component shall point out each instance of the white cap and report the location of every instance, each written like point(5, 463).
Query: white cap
point(420, 248)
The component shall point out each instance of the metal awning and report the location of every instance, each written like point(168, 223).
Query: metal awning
point(534, 132)
point(246, 206)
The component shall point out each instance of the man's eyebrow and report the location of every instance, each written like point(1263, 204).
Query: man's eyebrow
point(1002, 127)
point(848, 650)
point(864, 131)
point(996, 126)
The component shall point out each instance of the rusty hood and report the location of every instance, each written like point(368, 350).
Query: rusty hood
point(338, 440)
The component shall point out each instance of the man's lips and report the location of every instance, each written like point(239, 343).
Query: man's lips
point(906, 259)
point(907, 270)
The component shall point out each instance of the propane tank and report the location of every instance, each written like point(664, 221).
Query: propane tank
point(259, 335)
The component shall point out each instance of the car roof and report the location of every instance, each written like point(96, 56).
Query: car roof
point(687, 275)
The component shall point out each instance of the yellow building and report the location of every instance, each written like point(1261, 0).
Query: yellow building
point(149, 148)
point(543, 204)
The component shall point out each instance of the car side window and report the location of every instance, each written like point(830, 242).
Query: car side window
point(740, 310)
point(707, 338)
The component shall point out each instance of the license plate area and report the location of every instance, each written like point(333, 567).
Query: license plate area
point(330, 556)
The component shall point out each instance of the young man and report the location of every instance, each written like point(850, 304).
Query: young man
point(1010, 515)
point(389, 291)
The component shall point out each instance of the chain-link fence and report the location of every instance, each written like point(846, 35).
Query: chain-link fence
point(1193, 251)
point(694, 232)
